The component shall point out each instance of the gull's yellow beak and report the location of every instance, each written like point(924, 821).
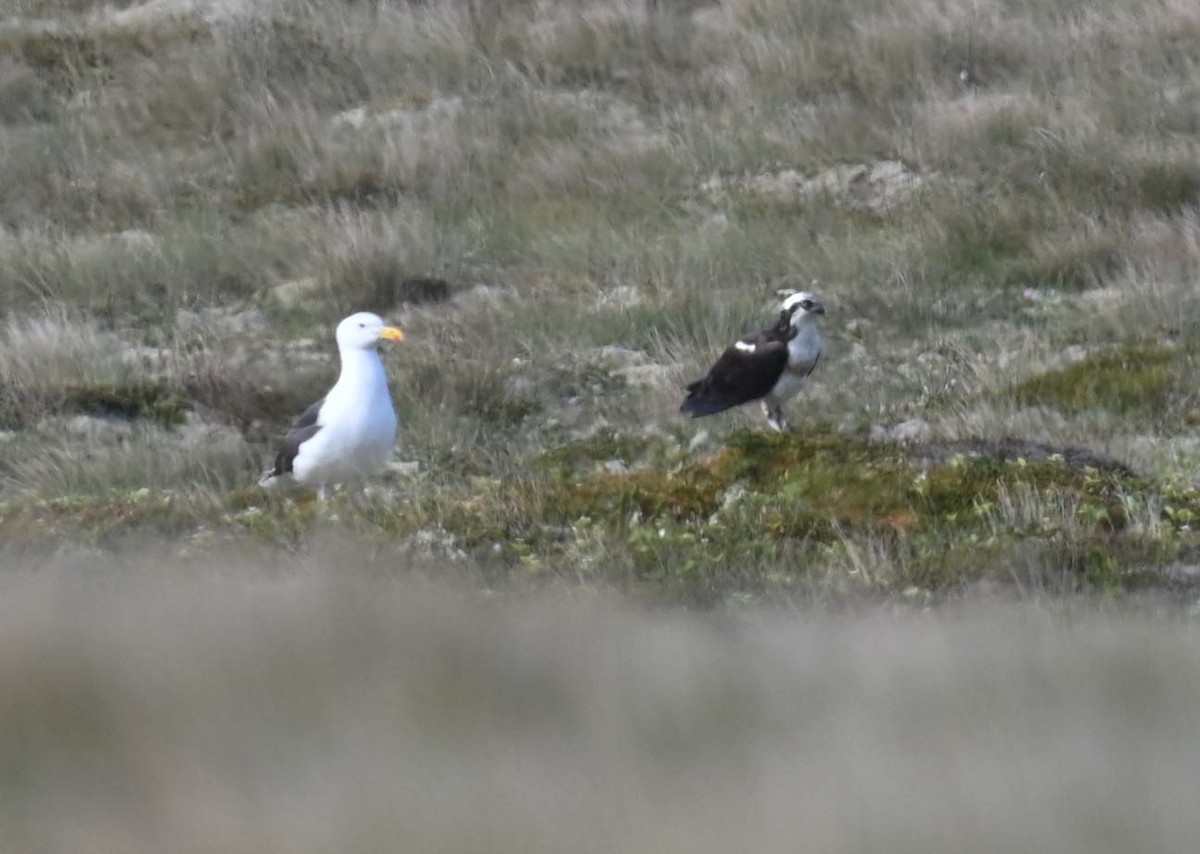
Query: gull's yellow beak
point(391, 333)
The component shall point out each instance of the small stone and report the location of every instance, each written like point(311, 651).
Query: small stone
point(616, 467)
point(404, 468)
point(913, 430)
point(622, 356)
point(97, 428)
point(296, 293)
point(620, 296)
point(698, 441)
point(732, 496)
point(646, 376)
point(481, 295)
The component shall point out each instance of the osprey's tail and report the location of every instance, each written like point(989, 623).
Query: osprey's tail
point(699, 401)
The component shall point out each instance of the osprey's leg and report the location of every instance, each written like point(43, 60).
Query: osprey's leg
point(775, 416)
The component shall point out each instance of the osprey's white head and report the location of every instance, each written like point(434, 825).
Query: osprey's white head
point(799, 308)
point(363, 331)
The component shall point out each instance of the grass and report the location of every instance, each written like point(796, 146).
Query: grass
point(934, 618)
point(570, 213)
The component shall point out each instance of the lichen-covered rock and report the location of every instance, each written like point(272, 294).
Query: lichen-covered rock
point(872, 187)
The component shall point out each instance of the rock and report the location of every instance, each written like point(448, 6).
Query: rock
point(873, 187)
point(435, 119)
point(136, 240)
point(912, 430)
point(158, 12)
point(616, 355)
point(620, 296)
point(632, 366)
point(592, 430)
point(732, 496)
point(1010, 450)
point(484, 296)
point(96, 428)
point(646, 376)
point(199, 433)
point(297, 293)
point(436, 542)
point(147, 359)
point(729, 498)
point(698, 441)
point(404, 468)
point(234, 320)
point(609, 121)
point(616, 467)
point(714, 223)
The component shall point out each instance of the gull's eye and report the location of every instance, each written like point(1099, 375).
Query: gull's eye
point(362, 326)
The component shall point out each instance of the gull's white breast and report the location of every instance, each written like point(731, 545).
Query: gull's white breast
point(358, 426)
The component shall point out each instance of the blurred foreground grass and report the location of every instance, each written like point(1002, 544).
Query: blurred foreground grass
point(571, 207)
point(345, 701)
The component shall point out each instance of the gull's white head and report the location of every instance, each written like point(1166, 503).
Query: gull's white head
point(800, 307)
point(364, 331)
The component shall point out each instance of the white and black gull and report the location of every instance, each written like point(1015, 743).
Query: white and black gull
point(349, 433)
point(769, 365)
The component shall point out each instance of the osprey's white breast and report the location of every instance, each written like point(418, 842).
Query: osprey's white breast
point(804, 350)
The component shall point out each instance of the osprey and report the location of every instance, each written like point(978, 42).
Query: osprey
point(349, 432)
point(769, 365)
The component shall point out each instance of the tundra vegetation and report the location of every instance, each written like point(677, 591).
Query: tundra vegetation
point(571, 207)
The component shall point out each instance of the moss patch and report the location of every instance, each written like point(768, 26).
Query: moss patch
point(1131, 381)
point(766, 515)
point(149, 401)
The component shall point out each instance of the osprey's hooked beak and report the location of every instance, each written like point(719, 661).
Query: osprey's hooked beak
point(391, 333)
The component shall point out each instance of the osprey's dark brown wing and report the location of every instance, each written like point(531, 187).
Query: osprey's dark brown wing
point(304, 428)
point(746, 371)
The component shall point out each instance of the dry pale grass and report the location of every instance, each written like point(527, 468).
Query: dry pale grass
point(200, 189)
point(269, 705)
point(44, 353)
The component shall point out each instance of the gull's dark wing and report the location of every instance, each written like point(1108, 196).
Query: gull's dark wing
point(304, 428)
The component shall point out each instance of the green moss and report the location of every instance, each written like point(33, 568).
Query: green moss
point(146, 400)
point(278, 517)
point(767, 515)
point(691, 492)
point(101, 521)
point(1134, 380)
point(150, 401)
point(65, 56)
point(572, 457)
point(818, 486)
